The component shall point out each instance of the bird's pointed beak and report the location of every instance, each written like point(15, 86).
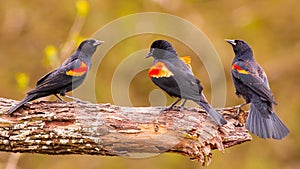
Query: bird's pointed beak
point(149, 54)
point(232, 42)
point(98, 42)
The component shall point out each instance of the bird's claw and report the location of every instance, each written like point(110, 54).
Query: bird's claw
point(194, 109)
point(169, 108)
point(177, 108)
point(182, 108)
point(238, 109)
point(81, 101)
point(165, 109)
point(61, 101)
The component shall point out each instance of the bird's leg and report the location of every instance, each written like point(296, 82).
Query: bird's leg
point(182, 108)
point(59, 98)
point(76, 99)
point(63, 93)
point(168, 108)
point(172, 105)
point(182, 105)
point(239, 108)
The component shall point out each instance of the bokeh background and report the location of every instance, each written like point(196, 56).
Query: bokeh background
point(36, 36)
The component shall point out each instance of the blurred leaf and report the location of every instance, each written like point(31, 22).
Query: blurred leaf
point(22, 80)
point(51, 56)
point(82, 7)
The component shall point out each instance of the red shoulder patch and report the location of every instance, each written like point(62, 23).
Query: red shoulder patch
point(79, 71)
point(159, 70)
point(239, 69)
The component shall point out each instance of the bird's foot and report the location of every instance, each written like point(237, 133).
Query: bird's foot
point(194, 109)
point(168, 108)
point(175, 108)
point(171, 106)
point(182, 108)
point(238, 109)
point(61, 101)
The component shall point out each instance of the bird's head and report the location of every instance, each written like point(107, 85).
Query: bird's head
point(161, 49)
point(89, 46)
point(240, 48)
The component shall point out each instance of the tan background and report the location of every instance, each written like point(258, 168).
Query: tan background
point(271, 27)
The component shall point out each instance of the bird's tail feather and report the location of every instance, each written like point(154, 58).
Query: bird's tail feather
point(26, 99)
point(269, 126)
point(214, 115)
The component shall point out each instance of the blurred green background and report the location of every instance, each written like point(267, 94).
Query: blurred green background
point(33, 33)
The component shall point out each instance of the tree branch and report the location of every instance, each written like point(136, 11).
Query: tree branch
point(103, 129)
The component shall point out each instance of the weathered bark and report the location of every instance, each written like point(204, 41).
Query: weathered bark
point(105, 129)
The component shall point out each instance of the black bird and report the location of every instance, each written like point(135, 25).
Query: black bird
point(175, 77)
point(252, 84)
point(66, 77)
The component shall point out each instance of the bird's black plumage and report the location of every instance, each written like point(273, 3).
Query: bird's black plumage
point(65, 78)
point(252, 84)
point(174, 76)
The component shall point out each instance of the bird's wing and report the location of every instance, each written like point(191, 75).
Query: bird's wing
point(263, 75)
point(168, 84)
point(251, 80)
point(164, 78)
point(189, 84)
point(43, 78)
point(176, 75)
point(160, 68)
point(61, 77)
point(183, 71)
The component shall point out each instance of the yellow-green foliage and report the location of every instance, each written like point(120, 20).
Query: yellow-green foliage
point(82, 7)
point(22, 80)
point(51, 56)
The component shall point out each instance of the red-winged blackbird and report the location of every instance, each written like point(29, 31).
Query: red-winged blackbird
point(66, 77)
point(175, 77)
point(252, 84)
